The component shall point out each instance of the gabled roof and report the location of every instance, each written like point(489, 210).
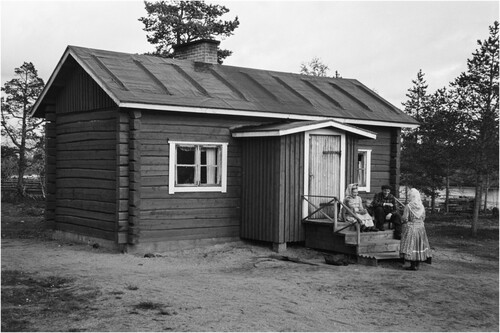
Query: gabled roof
point(148, 82)
point(281, 129)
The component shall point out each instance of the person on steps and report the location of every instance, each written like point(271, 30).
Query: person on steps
point(355, 204)
point(414, 245)
point(385, 210)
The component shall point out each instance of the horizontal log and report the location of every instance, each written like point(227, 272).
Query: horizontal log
point(200, 213)
point(123, 149)
point(85, 183)
point(105, 114)
point(87, 164)
point(83, 214)
point(123, 181)
point(154, 118)
point(168, 224)
point(123, 193)
point(84, 230)
point(191, 234)
point(86, 154)
point(86, 173)
point(149, 129)
point(104, 195)
point(123, 205)
point(85, 136)
point(123, 137)
point(189, 204)
point(88, 205)
point(87, 126)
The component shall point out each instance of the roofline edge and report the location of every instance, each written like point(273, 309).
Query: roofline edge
point(246, 113)
point(54, 74)
point(306, 128)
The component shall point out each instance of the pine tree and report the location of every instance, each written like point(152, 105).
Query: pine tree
point(23, 131)
point(478, 94)
point(418, 100)
point(170, 23)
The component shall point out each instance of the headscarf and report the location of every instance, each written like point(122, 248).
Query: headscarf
point(415, 203)
point(350, 187)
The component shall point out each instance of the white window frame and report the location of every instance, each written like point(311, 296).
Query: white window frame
point(368, 169)
point(172, 170)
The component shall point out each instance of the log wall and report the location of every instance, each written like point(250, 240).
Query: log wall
point(385, 158)
point(85, 178)
point(193, 215)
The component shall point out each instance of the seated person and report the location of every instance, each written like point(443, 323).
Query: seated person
point(355, 204)
point(385, 210)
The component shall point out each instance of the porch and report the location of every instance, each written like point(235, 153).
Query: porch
point(330, 233)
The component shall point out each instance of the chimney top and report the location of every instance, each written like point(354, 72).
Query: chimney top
point(203, 50)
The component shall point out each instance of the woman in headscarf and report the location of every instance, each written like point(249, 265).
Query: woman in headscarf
point(414, 245)
point(355, 204)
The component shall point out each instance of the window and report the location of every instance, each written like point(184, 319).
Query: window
point(197, 167)
point(364, 169)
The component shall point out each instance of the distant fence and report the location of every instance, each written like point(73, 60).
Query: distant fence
point(33, 188)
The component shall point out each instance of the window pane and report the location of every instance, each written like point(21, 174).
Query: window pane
point(185, 155)
point(362, 169)
point(209, 155)
point(185, 175)
point(209, 175)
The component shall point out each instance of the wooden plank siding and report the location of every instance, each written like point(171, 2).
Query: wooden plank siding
point(81, 93)
point(385, 158)
point(292, 187)
point(261, 177)
point(191, 215)
point(273, 182)
point(351, 170)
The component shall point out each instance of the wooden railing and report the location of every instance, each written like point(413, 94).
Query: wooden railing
point(333, 202)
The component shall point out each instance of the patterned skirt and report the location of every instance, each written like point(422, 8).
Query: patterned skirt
point(414, 243)
point(366, 219)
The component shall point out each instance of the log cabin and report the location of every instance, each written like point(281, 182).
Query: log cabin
point(151, 154)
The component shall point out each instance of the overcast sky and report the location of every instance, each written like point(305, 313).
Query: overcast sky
point(381, 44)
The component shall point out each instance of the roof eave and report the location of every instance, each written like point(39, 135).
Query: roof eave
point(261, 114)
point(306, 128)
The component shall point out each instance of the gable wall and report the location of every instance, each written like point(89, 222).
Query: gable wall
point(82, 93)
point(82, 160)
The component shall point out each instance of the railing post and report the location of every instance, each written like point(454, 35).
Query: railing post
point(335, 215)
point(358, 240)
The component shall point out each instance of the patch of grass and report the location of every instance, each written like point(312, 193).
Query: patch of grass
point(148, 306)
point(131, 287)
point(26, 297)
point(23, 220)
point(456, 226)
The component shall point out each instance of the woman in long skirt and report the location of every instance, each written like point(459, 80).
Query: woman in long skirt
point(414, 245)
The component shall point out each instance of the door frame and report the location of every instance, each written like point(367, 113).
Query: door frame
point(323, 131)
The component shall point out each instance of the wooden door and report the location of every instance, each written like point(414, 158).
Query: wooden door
point(324, 170)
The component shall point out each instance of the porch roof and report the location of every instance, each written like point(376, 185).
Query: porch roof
point(281, 129)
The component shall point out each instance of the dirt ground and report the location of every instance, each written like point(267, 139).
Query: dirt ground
point(55, 286)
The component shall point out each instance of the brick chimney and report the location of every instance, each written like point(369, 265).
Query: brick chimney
point(203, 50)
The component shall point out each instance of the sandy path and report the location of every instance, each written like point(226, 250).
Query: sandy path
point(237, 287)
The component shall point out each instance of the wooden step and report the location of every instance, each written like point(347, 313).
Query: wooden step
point(367, 237)
point(386, 245)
